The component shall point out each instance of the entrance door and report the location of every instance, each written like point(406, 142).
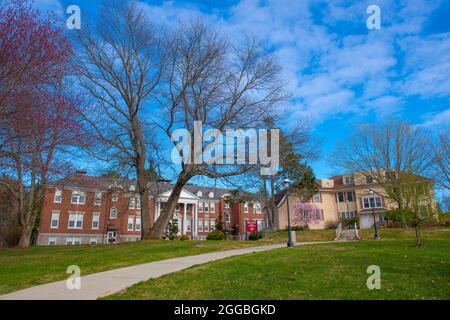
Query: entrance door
point(111, 238)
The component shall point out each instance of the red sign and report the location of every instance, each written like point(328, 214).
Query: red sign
point(251, 226)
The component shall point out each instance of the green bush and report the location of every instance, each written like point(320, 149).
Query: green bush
point(216, 235)
point(300, 228)
point(256, 235)
point(184, 237)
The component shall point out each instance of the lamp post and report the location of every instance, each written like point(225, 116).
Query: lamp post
point(372, 205)
point(290, 242)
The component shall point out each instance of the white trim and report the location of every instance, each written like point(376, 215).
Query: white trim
point(76, 214)
point(95, 214)
point(57, 220)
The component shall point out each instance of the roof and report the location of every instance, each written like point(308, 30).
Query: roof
point(78, 180)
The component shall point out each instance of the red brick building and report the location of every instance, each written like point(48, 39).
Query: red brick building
point(82, 209)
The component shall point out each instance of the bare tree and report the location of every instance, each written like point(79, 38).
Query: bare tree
point(208, 79)
point(387, 152)
point(441, 169)
point(120, 67)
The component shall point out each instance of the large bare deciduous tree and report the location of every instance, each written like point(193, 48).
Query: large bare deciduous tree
point(120, 67)
point(390, 153)
point(224, 86)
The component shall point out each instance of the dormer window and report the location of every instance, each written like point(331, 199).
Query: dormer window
point(245, 206)
point(369, 179)
point(226, 205)
point(199, 194)
point(78, 197)
point(211, 195)
point(114, 197)
point(348, 180)
point(257, 207)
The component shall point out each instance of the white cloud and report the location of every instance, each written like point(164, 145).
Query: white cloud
point(440, 118)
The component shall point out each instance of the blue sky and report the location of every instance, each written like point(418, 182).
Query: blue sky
point(340, 73)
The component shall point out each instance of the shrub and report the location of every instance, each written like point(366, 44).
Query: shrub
point(256, 235)
point(300, 228)
point(184, 237)
point(216, 235)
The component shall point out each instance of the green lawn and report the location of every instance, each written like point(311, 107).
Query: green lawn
point(325, 271)
point(21, 268)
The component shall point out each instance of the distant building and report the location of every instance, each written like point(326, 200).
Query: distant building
point(342, 196)
point(82, 209)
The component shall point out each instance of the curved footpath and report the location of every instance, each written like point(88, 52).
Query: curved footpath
point(106, 283)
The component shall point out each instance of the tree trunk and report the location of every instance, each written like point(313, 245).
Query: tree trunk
point(160, 225)
point(25, 235)
point(418, 236)
point(272, 203)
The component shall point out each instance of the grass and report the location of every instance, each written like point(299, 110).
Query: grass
point(22, 268)
point(325, 271)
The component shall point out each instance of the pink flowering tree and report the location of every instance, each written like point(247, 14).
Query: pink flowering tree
point(306, 213)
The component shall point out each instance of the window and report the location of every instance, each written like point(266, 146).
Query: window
point(226, 205)
point(76, 221)
point(227, 217)
point(206, 226)
point(206, 207)
point(212, 208)
point(211, 195)
point(212, 225)
point(177, 208)
point(95, 220)
point(199, 193)
point(98, 199)
point(113, 213)
point(200, 225)
point(257, 207)
point(348, 180)
point(340, 196)
point(369, 202)
point(187, 208)
point(132, 204)
point(200, 207)
point(58, 196)
point(55, 220)
point(369, 179)
point(78, 197)
point(138, 202)
point(137, 224)
point(350, 196)
point(130, 223)
point(245, 206)
point(114, 197)
point(93, 240)
point(73, 240)
point(317, 198)
point(52, 241)
point(188, 223)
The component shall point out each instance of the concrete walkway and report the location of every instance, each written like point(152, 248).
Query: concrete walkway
point(105, 283)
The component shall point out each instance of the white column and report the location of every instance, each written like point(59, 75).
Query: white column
point(195, 221)
point(184, 220)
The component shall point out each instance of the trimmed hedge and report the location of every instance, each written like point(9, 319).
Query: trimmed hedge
point(216, 235)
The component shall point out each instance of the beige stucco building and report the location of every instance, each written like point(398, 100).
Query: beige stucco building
point(341, 196)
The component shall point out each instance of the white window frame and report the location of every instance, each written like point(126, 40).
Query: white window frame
point(212, 207)
point(211, 194)
point(374, 202)
point(138, 202)
point(52, 240)
point(317, 198)
point(257, 207)
point(200, 207)
point(350, 180)
point(93, 240)
point(130, 218)
point(137, 224)
point(226, 205)
point(246, 207)
point(199, 194)
point(200, 225)
point(206, 225)
point(79, 195)
point(97, 198)
point(227, 217)
point(212, 225)
point(57, 213)
point(58, 193)
point(188, 224)
point(206, 207)
point(343, 197)
point(71, 240)
point(132, 204)
point(77, 216)
point(95, 215)
point(114, 197)
point(113, 209)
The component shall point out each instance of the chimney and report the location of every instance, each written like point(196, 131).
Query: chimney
point(81, 172)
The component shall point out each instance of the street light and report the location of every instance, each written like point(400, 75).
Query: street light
point(372, 204)
point(286, 185)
